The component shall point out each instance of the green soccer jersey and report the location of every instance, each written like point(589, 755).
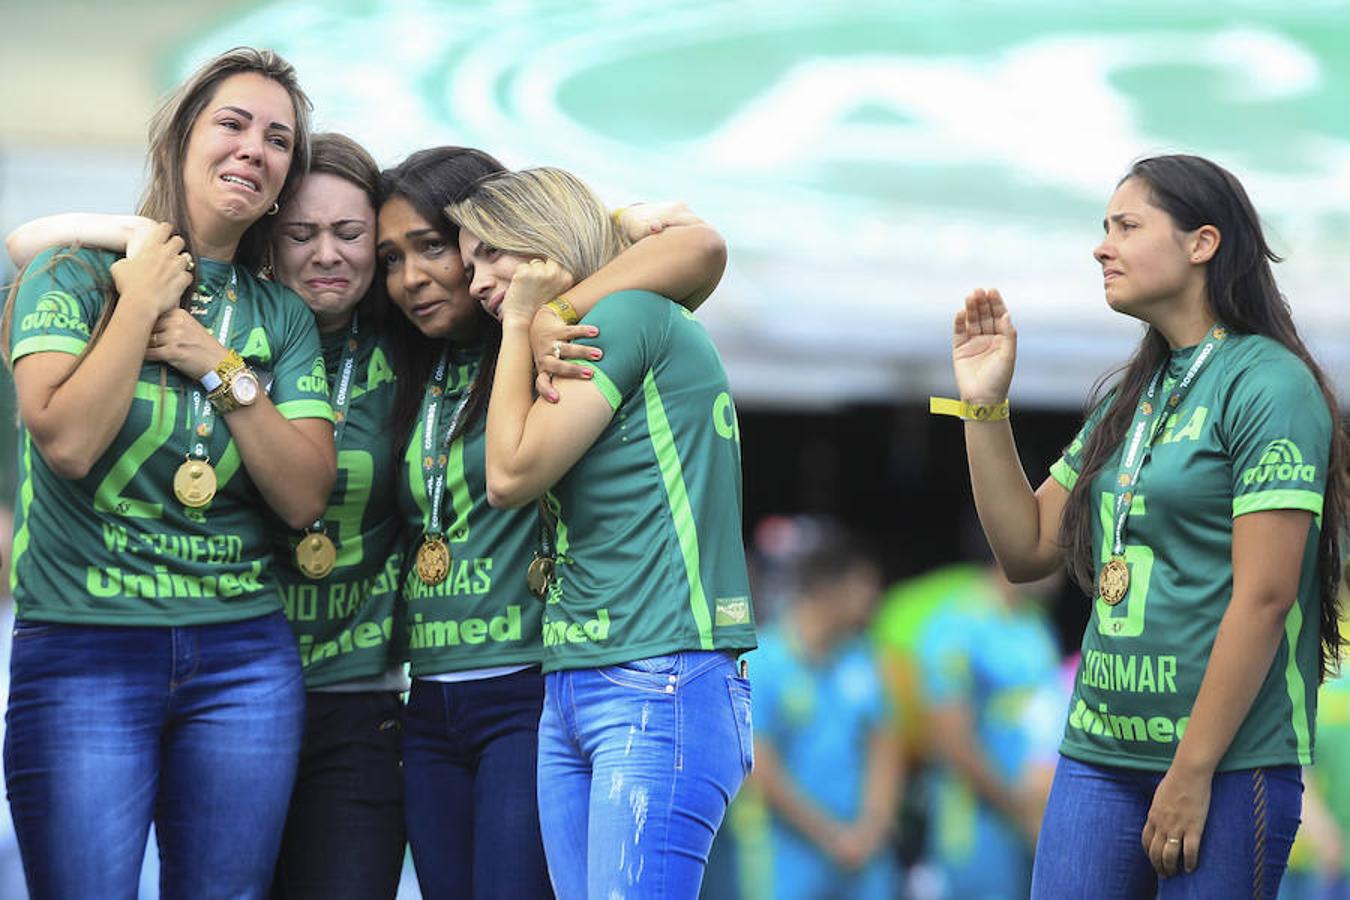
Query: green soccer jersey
point(1253, 433)
point(344, 622)
point(116, 547)
point(482, 615)
point(650, 553)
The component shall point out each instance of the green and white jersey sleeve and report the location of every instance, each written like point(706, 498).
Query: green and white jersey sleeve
point(650, 552)
point(344, 622)
point(116, 547)
point(482, 615)
point(1252, 434)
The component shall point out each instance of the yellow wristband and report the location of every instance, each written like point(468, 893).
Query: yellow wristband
point(969, 412)
point(564, 311)
point(616, 215)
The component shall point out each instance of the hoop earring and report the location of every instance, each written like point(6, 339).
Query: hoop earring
point(276, 208)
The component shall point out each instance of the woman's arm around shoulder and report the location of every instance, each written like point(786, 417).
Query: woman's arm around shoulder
point(118, 233)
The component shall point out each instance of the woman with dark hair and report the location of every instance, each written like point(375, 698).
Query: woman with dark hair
point(476, 580)
point(1201, 505)
point(645, 733)
point(154, 675)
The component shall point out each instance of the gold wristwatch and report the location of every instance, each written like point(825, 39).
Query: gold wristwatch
point(231, 384)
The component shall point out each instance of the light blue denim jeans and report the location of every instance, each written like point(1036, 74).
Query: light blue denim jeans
point(637, 763)
point(1090, 836)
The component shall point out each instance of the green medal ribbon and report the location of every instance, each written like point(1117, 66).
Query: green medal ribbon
point(201, 413)
point(1148, 419)
point(435, 458)
point(342, 392)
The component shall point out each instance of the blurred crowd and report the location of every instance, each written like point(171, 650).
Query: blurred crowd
point(906, 736)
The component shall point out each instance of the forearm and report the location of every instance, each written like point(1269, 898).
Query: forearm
point(108, 232)
point(74, 422)
point(788, 803)
point(1009, 509)
point(508, 409)
point(683, 262)
point(882, 784)
point(957, 746)
point(1249, 635)
point(292, 464)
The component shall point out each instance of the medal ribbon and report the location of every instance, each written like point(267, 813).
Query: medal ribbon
point(435, 459)
point(1148, 419)
point(342, 392)
point(201, 412)
point(547, 527)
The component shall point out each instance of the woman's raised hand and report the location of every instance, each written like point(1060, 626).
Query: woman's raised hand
point(645, 219)
point(984, 348)
point(157, 273)
point(535, 283)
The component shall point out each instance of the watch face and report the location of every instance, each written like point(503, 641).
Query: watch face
point(244, 388)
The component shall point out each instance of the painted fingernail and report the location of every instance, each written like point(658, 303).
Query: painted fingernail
point(587, 373)
point(593, 331)
point(595, 354)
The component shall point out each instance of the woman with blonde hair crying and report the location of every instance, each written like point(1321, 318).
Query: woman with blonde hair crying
point(645, 734)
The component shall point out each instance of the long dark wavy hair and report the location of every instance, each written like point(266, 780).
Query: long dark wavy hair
point(1242, 294)
point(430, 180)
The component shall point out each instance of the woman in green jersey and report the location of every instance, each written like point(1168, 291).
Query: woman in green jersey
point(344, 835)
point(1201, 506)
point(154, 676)
point(645, 733)
point(473, 624)
point(339, 576)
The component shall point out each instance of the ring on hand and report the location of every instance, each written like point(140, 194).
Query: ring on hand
point(557, 350)
point(189, 264)
point(1174, 840)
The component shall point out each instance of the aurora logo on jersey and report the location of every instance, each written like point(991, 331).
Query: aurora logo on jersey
point(1280, 461)
point(1103, 722)
point(316, 381)
point(55, 309)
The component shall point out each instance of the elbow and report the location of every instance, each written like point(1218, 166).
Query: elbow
point(310, 508)
point(67, 459)
point(505, 492)
point(711, 248)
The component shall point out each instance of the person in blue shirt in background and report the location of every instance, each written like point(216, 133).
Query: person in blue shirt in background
point(827, 761)
point(988, 664)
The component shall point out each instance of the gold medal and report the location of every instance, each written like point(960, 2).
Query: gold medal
point(433, 560)
point(539, 575)
point(194, 484)
point(1114, 581)
point(315, 555)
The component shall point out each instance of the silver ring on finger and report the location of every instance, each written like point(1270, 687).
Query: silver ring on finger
point(188, 262)
point(1173, 840)
point(557, 350)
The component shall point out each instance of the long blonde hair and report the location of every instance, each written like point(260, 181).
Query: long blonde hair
point(541, 212)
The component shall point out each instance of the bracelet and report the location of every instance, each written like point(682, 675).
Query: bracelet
point(968, 412)
point(563, 310)
point(616, 215)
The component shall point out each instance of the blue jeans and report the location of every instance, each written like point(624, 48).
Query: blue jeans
point(469, 751)
point(1090, 842)
point(637, 763)
point(344, 832)
point(197, 727)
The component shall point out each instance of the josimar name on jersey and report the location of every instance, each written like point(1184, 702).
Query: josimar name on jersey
point(1135, 673)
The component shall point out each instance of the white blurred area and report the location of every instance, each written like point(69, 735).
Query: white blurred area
point(868, 162)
